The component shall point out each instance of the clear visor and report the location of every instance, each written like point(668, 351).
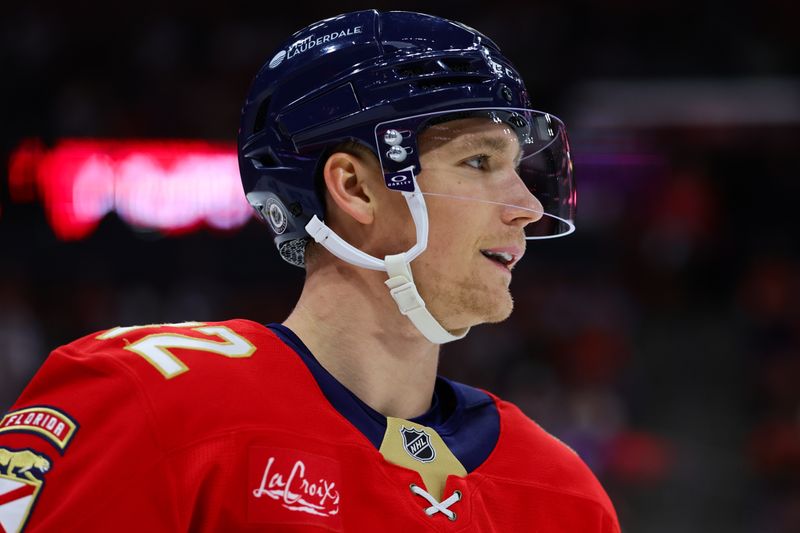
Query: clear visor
point(515, 161)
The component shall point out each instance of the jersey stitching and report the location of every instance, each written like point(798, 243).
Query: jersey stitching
point(585, 497)
point(253, 427)
point(151, 424)
point(411, 504)
point(70, 351)
point(548, 487)
point(141, 392)
point(310, 375)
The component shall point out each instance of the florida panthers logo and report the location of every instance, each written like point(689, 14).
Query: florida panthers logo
point(21, 477)
point(25, 462)
point(418, 444)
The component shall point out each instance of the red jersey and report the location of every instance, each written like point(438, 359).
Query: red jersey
point(225, 427)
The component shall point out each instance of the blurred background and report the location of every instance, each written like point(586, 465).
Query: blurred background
point(661, 341)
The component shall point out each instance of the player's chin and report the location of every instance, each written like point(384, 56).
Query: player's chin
point(497, 303)
point(486, 309)
point(501, 309)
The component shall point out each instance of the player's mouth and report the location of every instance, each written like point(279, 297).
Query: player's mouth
point(505, 257)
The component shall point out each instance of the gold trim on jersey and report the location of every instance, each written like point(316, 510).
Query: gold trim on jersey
point(421, 449)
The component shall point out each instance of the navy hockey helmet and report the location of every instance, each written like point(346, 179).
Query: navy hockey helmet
point(378, 79)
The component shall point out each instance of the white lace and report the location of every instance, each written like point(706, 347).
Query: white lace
point(438, 507)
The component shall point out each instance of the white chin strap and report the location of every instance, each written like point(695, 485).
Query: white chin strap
point(400, 282)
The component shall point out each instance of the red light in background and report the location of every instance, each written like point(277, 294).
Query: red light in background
point(22, 170)
point(169, 186)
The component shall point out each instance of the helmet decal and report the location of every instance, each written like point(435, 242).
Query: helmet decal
point(334, 81)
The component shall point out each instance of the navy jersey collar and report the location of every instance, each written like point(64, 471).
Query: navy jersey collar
point(465, 418)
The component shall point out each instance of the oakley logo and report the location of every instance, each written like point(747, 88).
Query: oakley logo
point(400, 181)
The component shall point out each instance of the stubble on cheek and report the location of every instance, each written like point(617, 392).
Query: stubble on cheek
point(466, 301)
point(459, 293)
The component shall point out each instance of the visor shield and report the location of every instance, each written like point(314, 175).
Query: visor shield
point(514, 160)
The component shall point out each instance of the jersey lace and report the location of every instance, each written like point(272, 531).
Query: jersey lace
point(436, 506)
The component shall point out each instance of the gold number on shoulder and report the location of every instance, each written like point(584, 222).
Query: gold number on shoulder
point(156, 348)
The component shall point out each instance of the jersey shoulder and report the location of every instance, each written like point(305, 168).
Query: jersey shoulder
point(170, 350)
point(186, 360)
point(104, 415)
point(527, 452)
point(97, 343)
point(192, 378)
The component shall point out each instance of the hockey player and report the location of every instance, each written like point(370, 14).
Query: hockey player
point(397, 158)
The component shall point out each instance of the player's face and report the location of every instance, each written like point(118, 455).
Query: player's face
point(465, 272)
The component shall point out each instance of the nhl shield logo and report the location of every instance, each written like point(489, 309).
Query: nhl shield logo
point(418, 444)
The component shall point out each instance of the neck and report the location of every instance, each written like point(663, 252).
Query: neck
point(351, 324)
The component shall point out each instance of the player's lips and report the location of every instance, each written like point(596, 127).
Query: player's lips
point(508, 256)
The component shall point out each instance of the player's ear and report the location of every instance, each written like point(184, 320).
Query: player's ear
point(347, 181)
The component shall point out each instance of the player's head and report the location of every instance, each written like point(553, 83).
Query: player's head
point(425, 102)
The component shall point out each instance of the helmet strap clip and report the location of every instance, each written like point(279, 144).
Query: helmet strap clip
point(406, 296)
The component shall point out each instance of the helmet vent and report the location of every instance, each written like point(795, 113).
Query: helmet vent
point(262, 158)
point(442, 67)
point(458, 65)
point(294, 251)
point(447, 81)
point(265, 161)
point(412, 69)
point(261, 116)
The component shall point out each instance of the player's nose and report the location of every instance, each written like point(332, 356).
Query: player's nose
point(521, 206)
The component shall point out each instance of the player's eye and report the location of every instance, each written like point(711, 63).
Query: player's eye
point(478, 162)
